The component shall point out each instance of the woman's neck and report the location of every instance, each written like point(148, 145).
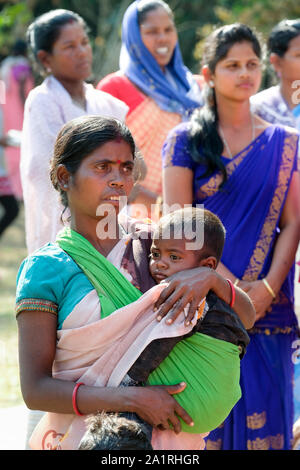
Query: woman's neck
point(74, 88)
point(90, 233)
point(234, 115)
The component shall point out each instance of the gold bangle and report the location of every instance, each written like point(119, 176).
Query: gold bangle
point(236, 282)
point(269, 288)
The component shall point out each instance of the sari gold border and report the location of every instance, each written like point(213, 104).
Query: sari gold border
point(256, 420)
point(214, 445)
point(266, 443)
point(266, 236)
point(260, 443)
point(211, 187)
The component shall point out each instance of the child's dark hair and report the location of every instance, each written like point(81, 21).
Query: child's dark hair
point(145, 6)
point(46, 29)
point(79, 138)
point(110, 431)
point(183, 223)
point(281, 35)
point(204, 121)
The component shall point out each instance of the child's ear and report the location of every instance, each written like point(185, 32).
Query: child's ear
point(209, 262)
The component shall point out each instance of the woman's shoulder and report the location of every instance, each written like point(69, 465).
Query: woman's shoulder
point(268, 95)
point(113, 79)
point(41, 95)
point(282, 130)
point(42, 275)
point(272, 129)
point(48, 259)
point(50, 250)
point(181, 130)
point(49, 280)
point(116, 84)
point(179, 135)
point(103, 99)
point(283, 138)
point(119, 86)
point(176, 149)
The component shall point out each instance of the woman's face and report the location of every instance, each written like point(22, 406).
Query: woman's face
point(71, 56)
point(159, 36)
point(238, 75)
point(102, 178)
point(288, 66)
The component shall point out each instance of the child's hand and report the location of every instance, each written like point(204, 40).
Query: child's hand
point(186, 287)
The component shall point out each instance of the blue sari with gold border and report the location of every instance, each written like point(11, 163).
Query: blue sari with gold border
point(250, 205)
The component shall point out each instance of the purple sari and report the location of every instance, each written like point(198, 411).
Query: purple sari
point(250, 205)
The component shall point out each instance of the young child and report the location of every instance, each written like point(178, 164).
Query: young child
point(169, 255)
point(219, 337)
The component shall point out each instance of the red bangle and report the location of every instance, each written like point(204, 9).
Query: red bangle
point(74, 395)
point(232, 293)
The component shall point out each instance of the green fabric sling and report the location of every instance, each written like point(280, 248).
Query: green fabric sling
point(112, 287)
point(209, 366)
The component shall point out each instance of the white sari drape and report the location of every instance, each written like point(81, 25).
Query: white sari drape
point(99, 353)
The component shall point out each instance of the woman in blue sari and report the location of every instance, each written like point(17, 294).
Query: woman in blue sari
point(245, 171)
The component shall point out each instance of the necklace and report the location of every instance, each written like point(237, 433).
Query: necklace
point(225, 141)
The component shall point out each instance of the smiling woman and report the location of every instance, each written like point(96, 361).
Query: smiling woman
point(159, 35)
point(154, 82)
point(61, 48)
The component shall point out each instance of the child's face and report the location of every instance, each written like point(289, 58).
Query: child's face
point(169, 257)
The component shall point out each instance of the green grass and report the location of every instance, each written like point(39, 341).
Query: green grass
point(12, 252)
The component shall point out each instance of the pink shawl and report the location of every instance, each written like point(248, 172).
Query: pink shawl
point(99, 353)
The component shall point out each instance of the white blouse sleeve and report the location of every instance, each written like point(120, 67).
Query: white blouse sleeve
point(42, 122)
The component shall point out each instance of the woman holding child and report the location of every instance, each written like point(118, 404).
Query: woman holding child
point(245, 171)
point(66, 287)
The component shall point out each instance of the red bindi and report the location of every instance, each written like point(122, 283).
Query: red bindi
point(118, 139)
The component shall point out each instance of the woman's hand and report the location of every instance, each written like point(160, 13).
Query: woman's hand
point(259, 295)
point(191, 286)
point(156, 405)
point(186, 287)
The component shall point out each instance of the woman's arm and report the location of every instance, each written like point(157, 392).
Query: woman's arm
point(43, 392)
point(174, 193)
point(143, 203)
point(284, 251)
point(42, 122)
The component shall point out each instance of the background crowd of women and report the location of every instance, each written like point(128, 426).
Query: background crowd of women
point(205, 140)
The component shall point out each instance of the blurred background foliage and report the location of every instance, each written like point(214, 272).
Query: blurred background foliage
point(195, 19)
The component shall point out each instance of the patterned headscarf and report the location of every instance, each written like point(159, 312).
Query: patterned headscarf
point(138, 64)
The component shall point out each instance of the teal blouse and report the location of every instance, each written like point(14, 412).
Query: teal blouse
point(50, 281)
